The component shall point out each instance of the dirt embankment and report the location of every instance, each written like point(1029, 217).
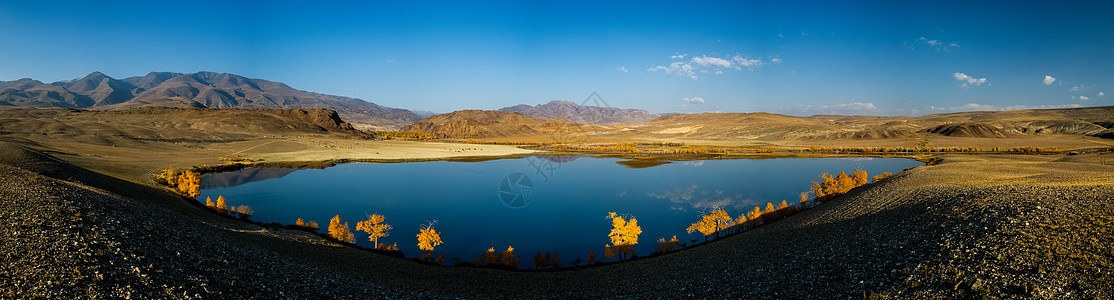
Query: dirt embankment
point(1013, 226)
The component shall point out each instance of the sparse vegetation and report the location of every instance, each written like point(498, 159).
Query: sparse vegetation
point(624, 235)
point(670, 245)
point(340, 231)
point(375, 227)
point(428, 239)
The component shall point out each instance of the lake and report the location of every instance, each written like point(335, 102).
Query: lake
point(547, 203)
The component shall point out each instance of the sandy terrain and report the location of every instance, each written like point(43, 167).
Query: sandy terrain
point(81, 218)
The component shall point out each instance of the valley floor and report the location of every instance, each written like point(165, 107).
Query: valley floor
point(86, 222)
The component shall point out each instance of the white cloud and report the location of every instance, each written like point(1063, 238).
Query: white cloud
point(937, 44)
point(970, 80)
point(1020, 107)
point(1048, 80)
point(1084, 98)
point(988, 107)
point(676, 68)
point(693, 100)
point(746, 62)
point(781, 35)
point(853, 108)
point(622, 69)
point(1101, 94)
point(1076, 88)
point(708, 64)
point(711, 61)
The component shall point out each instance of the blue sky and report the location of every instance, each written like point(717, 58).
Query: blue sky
point(800, 58)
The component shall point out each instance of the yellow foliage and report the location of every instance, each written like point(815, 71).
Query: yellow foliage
point(170, 176)
point(706, 226)
point(754, 214)
point(222, 205)
point(508, 257)
point(591, 256)
point(189, 183)
point(607, 252)
point(312, 225)
point(209, 203)
point(671, 244)
point(428, 238)
point(300, 222)
point(881, 176)
point(861, 177)
point(624, 233)
point(783, 205)
point(488, 257)
point(340, 231)
point(375, 228)
point(769, 208)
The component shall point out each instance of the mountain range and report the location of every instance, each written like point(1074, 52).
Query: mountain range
point(98, 91)
point(594, 115)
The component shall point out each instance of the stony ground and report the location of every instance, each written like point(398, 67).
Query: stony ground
point(972, 226)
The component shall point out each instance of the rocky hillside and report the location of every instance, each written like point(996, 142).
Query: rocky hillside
point(1089, 121)
point(469, 124)
point(595, 115)
point(172, 124)
point(195, 90)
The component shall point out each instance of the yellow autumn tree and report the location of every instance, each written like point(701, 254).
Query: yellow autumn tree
point(189, 183)
point(671, 244)
point(861, 177)
point(624, 235)
point(607, 252)
point(300, 222)
point(340, 231)
point(312, 225)
point(209, 203)
point(706, 226)
point(783, 205)
point(375, 227)
point(753, 215)
point(222, 205)
point(428, 237)
point(846, 182)
point(508, 258)
point(591, 256)
point(769, 208)
point(488, 257)
point(170, 176)
point(881, 176)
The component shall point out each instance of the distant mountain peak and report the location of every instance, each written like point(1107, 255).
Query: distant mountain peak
point(201, 89)
point(586, 114)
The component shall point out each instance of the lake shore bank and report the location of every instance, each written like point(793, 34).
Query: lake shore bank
point(933, 231)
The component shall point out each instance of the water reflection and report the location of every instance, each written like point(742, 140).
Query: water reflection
point(242, 176)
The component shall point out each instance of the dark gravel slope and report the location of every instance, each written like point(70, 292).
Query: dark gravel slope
point(1018, 226)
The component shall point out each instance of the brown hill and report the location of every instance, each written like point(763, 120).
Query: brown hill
point(493, 124)
point(192, 90)
point(731, 126)
point(969, 130)
point(595, 115)
point(171, 124)
point(1090, 121)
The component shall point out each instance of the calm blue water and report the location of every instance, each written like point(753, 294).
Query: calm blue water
point(565, 212)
